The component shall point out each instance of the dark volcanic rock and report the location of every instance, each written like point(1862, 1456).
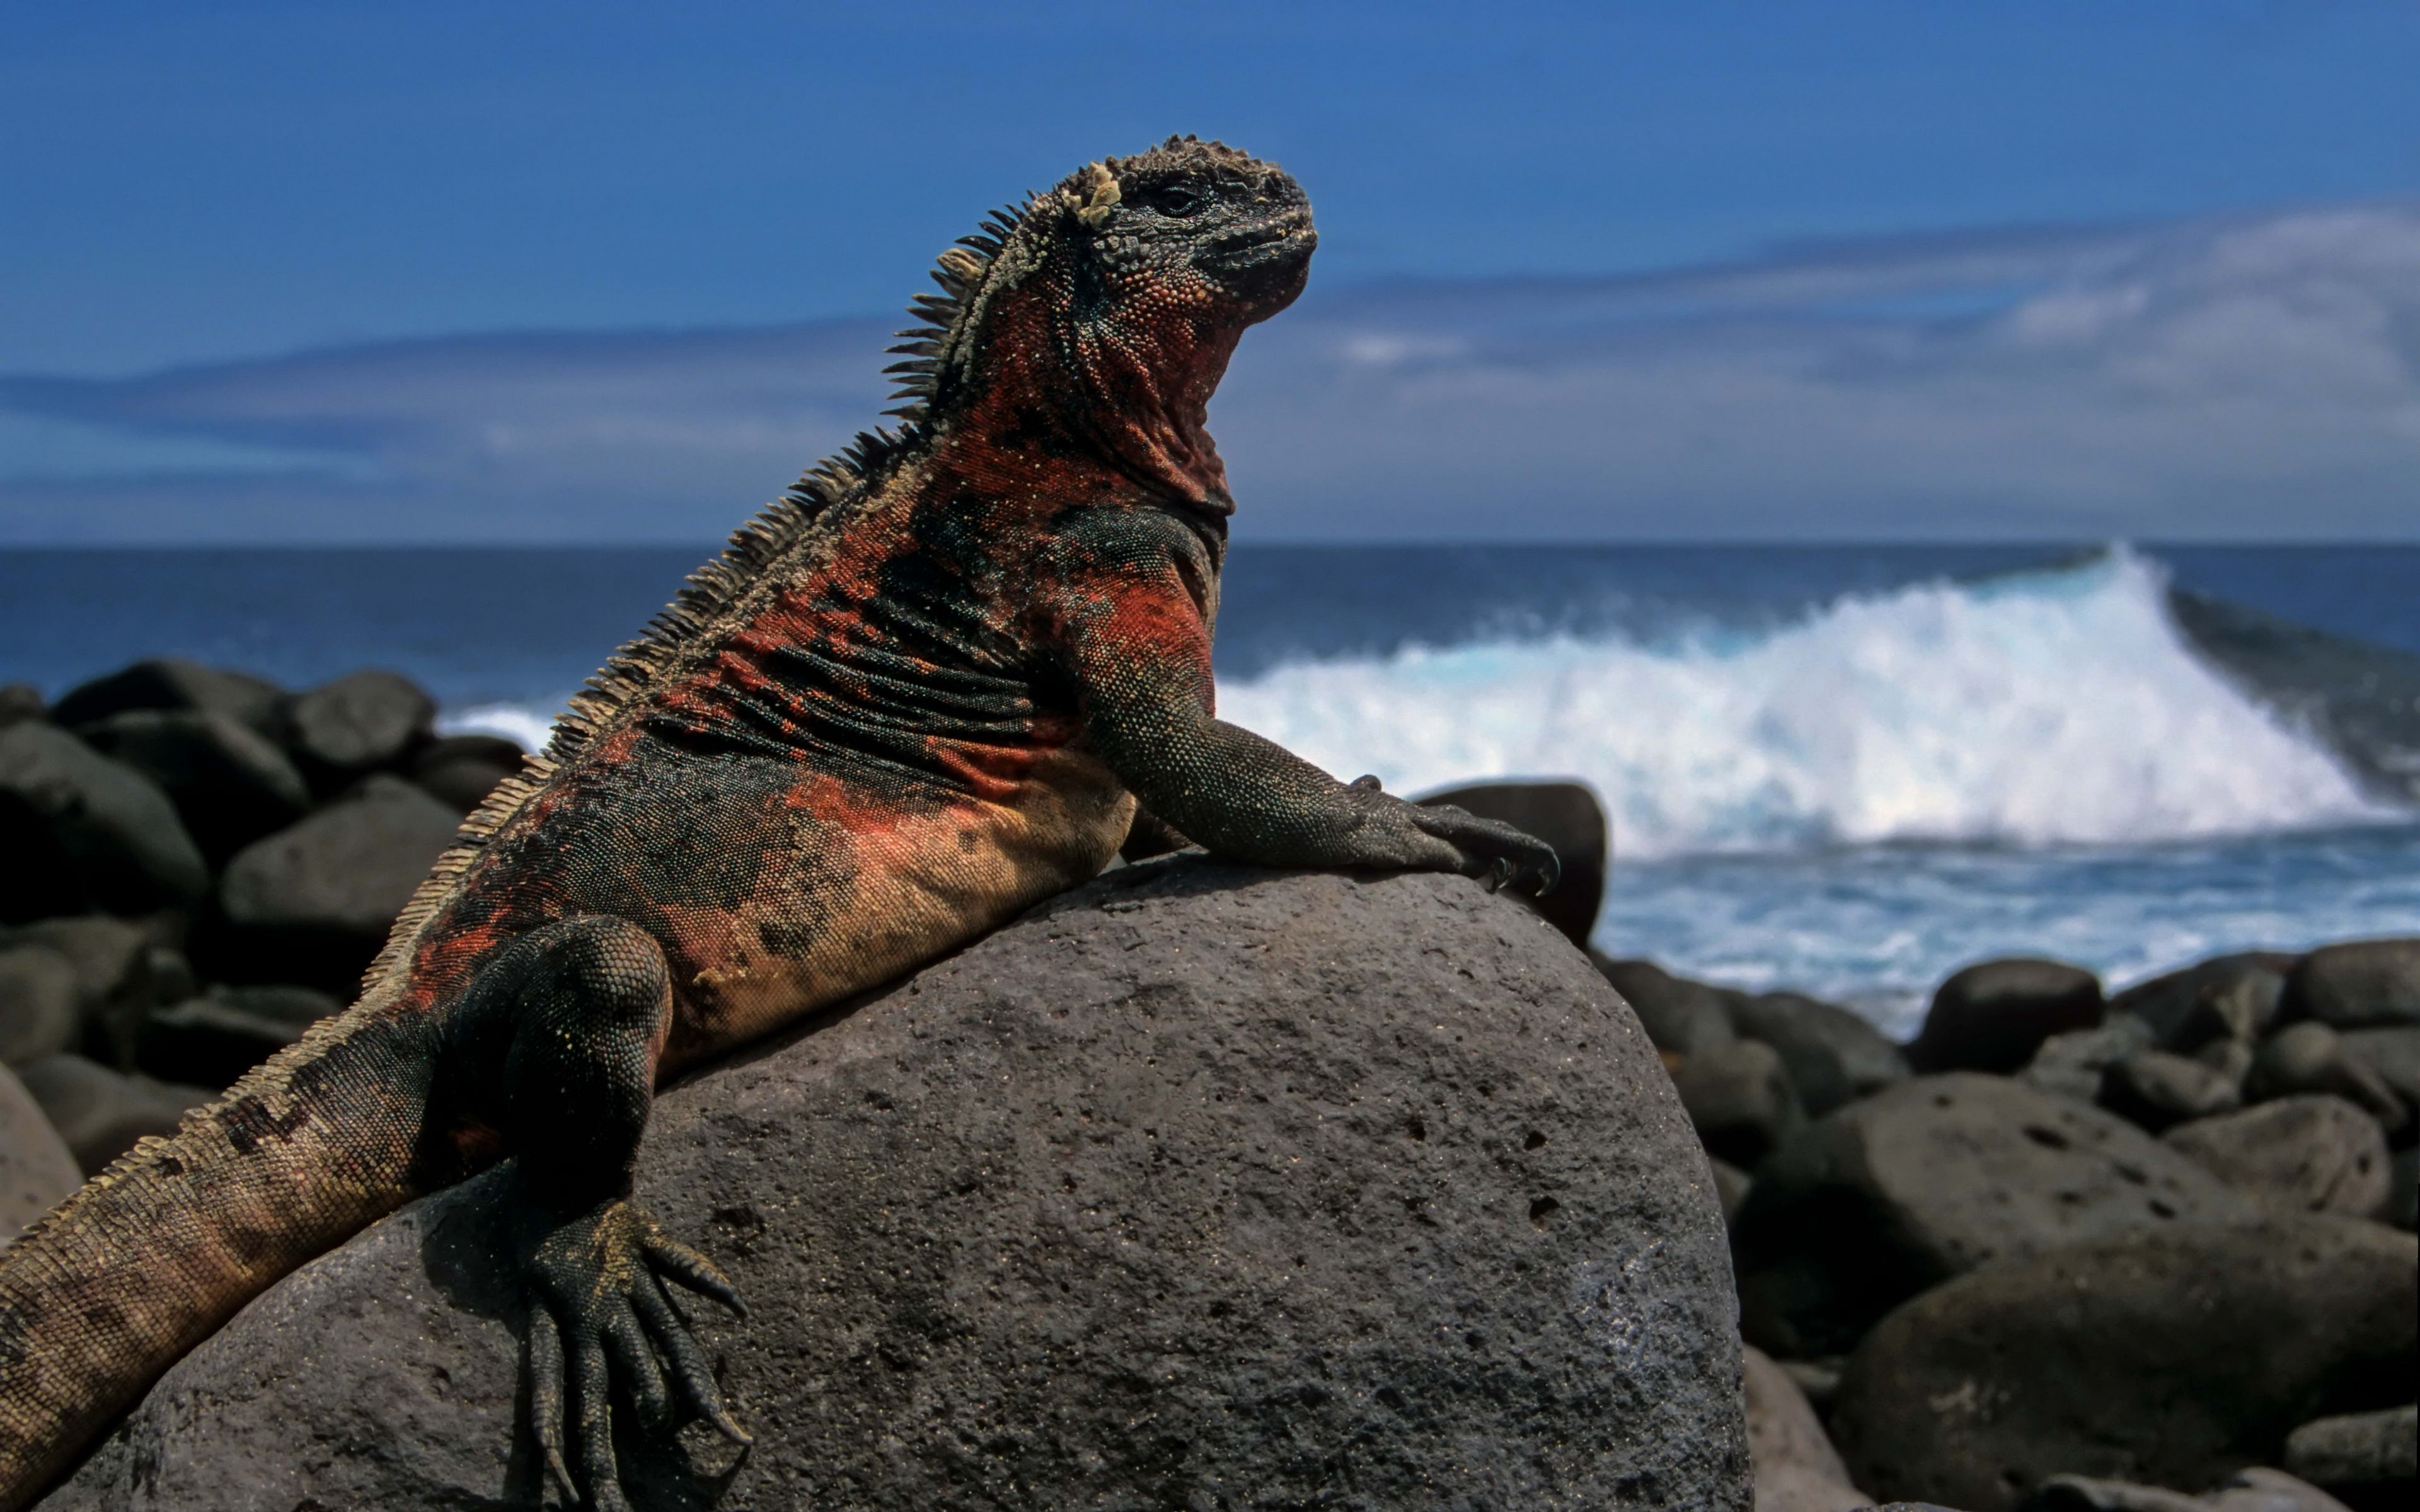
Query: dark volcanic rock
point(2395, 1055)
point(2254, 1489)
point(1834, 1057)
point(1731, 1187)
point(40, 1014)
point(1199, 1185)
point(1739, 1097)
point(1565, 815)
point(359, 722)
point(2073, 1065)
point(115, 983)
point(2296, 1155)
point(1679, 1015)
point(1994, 1014)
point(100, 1113)
point(19, 701)
point(230, 784)
point(313, 901)
point(37, 1171)
point(2154, 1088)
point(2358, 985)
point(211, 1039)
point(1915, 1184)
point(2359, 1451)
point(82, 832)
point(169, 682)
point(2171, 1356)
point(2312, 1057)
point(459, 770)
point(1797, 1470)
point(2234, 995)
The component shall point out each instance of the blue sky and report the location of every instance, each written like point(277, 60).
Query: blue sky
point(2123, 267)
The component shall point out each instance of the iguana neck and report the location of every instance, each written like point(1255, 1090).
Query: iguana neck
point(1136, 429)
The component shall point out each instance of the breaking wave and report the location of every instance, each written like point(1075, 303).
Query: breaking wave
point(2059, 706)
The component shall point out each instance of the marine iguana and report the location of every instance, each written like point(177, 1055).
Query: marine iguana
point(920, 692)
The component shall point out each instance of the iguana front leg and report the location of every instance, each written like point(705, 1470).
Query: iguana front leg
point(554, 1043)
point(1132, 627)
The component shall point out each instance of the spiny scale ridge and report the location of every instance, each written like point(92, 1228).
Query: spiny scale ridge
point(715, 588)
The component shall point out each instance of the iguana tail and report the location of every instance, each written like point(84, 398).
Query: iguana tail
point(161, 1249)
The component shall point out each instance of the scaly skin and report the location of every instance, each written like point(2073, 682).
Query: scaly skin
point(922, 693)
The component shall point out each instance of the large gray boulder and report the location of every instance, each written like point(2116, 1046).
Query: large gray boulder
point(360, 721)
point(115, 977)
point(40, 1010)
point(1994, 1015)
point(2312, 1057)
point(78, 831)
point(1198, 1187)
point(37, 1171)
point(2231, 995)
point(2299, 1154)
point(230, 783)
point(1929, 1180)
point(1740, 1100)
point(2358, 984)
point(2360, 1454)
point(172, 683)
point(1834, 1056)
point(2169, 1356)
point(1797, 1470)
point(1681, 1016)
point(313, 901)
point(100, 1113)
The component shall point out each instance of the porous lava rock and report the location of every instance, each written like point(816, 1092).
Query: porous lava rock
point(1925, 1181)
point(1198, 1187)
point(2171, 1356)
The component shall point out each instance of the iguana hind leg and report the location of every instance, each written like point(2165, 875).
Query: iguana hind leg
point(562, 1031)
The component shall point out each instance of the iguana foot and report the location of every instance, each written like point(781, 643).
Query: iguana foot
point(1496, 851)
point(599, 1310)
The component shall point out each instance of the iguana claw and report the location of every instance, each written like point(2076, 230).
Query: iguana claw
point(599, 1310)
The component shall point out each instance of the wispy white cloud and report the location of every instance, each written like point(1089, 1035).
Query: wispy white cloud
point(2259, 377)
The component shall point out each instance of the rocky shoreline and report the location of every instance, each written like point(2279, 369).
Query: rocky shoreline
point(2065, 1249)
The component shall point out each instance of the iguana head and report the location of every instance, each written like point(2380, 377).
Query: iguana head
point(1092, 323)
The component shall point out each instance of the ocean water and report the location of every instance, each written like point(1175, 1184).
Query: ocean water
point(1845, 770)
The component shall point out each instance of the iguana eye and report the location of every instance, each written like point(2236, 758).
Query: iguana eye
point(1176, 201)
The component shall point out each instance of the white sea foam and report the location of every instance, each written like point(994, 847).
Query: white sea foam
point(514, 721)
point(2054, 707)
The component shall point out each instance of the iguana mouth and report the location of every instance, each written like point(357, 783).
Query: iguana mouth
point(1289, 239)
